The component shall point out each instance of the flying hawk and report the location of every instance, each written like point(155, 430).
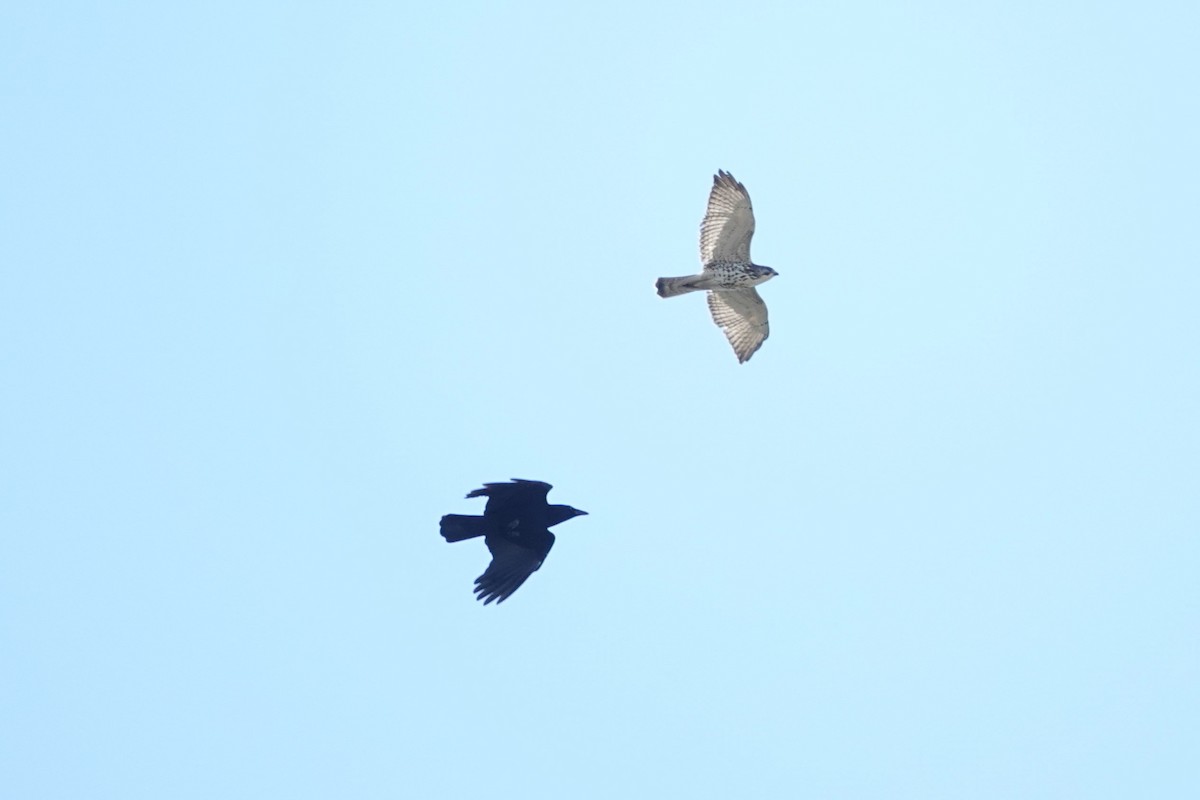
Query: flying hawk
point(515, 526)
point(729, 275)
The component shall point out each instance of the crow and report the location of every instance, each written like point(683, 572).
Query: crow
point(515, 525)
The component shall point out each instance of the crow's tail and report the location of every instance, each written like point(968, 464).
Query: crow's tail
point(670, 287)
point(456, 527)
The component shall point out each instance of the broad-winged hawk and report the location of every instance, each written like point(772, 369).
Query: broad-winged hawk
point(729, 276)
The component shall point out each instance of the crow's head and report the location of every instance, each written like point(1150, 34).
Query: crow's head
point(557, 514)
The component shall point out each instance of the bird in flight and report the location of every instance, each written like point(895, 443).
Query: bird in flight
point(729, 275)
point(515, 526)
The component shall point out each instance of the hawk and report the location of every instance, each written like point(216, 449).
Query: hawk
point(729, 275)
point(515, 526)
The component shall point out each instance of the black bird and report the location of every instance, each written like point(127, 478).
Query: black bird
point(515, 524)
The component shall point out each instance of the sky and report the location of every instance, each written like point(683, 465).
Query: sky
point(281, 282)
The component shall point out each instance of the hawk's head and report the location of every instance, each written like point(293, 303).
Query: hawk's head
point(761, 273)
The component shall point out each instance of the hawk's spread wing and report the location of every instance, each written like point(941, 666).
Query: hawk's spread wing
point(742, 315)
point(511, 565)
point(729, 222)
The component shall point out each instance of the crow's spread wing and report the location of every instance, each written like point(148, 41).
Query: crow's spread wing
point(511, 500)
point(742, 315)
point(729, 222)
point(511, 565)
point(519, 486)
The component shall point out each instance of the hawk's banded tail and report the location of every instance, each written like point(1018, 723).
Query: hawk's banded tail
point(672, 287)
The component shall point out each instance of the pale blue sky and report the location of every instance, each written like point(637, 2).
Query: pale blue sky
point(282, 282)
